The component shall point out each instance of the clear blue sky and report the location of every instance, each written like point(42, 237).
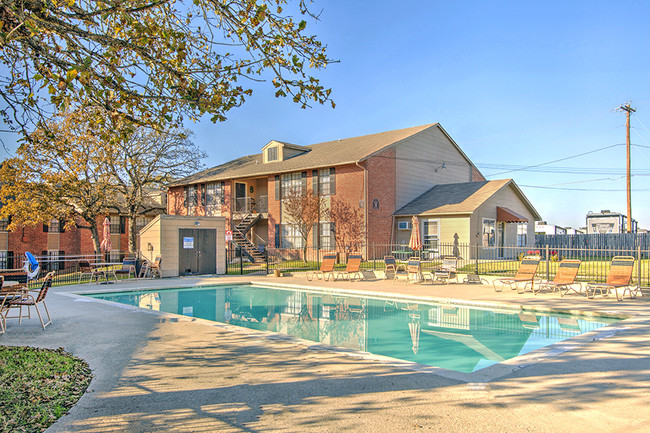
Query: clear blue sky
point(514, 83)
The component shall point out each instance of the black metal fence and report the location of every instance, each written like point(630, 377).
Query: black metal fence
point(472, 259)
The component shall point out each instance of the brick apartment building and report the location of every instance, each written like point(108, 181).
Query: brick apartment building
point(53, 241)
point(390, 176)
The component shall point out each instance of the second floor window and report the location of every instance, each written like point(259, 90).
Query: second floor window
point(272, 154)
point(191, 199)
point(142, 221)
point(54, 226)
point(295, 182)
point(214, 195)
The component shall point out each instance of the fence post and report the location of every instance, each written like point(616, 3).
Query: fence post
point(241, 262)
point(476, 259)
point(374, 257)
point(638, 270)
point(548, 259)
point(266, 253)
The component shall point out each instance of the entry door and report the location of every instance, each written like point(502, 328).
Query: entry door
point(197, 251)
point(501, 237)
point(240, 196)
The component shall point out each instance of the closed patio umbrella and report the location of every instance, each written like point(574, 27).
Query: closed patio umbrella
point(415, 243)
point(106, 245)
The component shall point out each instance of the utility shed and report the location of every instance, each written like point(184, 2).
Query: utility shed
point(189, 245)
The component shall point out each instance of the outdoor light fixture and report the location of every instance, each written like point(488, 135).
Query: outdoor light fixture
point(443, 166)
point(149, 246)
point(197, 223)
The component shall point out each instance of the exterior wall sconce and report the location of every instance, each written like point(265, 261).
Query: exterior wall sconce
point(149, 246)
point(443, 166)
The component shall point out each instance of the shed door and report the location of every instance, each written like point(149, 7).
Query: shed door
point(197, 251)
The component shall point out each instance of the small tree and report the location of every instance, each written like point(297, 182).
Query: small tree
point(349, 225)
point(304, 209)
point(144, 163)
point(59, 173)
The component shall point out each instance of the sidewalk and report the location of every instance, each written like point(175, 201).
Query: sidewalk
point(161, 372)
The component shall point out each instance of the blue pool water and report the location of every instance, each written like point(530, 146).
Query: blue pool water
point(452, 336)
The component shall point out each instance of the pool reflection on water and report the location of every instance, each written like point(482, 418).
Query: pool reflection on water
point(452, 336)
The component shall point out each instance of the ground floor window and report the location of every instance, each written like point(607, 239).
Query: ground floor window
point(326, 238)
point(430, 234)
point(522, 234)
point(290, 237)
point(489, 232)
point(4, 260)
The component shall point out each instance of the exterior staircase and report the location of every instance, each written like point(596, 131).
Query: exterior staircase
point(239, 233)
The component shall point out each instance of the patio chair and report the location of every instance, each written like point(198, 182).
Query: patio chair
point(525, 274)
point(326, 268)
point(620, 276)
point(6, 297)
point(446, 271)
point(413, 267)
point(353, 268)
point(128, 268)
point(391, 266)
point(32, 298)
point(565, 278)
point(154, 268)
point(86, 270)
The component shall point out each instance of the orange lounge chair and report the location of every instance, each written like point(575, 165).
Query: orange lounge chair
point(326, 268)
point(565, 278)
point(525, 274)
point(620, 276)
point(353, 268)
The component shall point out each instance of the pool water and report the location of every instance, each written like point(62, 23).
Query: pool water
point(452, 336)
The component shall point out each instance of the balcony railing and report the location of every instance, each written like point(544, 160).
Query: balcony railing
point(251, 205)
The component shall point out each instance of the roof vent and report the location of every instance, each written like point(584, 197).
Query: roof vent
point(605, 211)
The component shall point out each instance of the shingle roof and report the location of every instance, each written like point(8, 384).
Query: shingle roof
point(453, 198)
point(343, 151)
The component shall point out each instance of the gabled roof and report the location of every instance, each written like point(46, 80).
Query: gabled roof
point(460, 198)
point(343, 151)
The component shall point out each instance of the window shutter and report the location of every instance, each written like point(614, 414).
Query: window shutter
point(61, 261)
point(223, 192)
point(122, 225)
point(277, 235)
point(205, 193)
point(316, 231)
point(332, 238)
point(45, 263)
point(46, 228)
point(10, 260)
point(332, 181)
point(303, 181)
point(314, 177)
point(278, 191)
point(61, 226)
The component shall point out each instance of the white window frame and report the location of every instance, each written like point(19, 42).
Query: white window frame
point(407, 225)
point(192, 199)
point(494, 233)
point(4, 259)
point(522, 232)
point(268, 154)
point(324, 179)
point(291, 182)
point(437, 235)
point(213, 197)
point(290, 237)
point(325, 236)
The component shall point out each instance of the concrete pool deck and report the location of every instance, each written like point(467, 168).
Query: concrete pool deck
point(162, 372)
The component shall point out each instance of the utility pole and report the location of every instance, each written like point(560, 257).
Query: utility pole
point(628, 109)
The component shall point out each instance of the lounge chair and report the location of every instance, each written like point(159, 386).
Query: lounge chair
point(86, 270)
point(525, 274)
point(620, 276)
point(31, 298)
point(353, 268)
point(413, 267)
point(326, 268)
point(128, 268)
point(446, 271)
point(391, 266)
point(565, 278)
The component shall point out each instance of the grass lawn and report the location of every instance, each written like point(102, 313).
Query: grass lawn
point(38, 386)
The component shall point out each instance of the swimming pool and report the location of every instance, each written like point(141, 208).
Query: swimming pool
point(452, 336)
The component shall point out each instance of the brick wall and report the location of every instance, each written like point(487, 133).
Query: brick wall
point(381, 194)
